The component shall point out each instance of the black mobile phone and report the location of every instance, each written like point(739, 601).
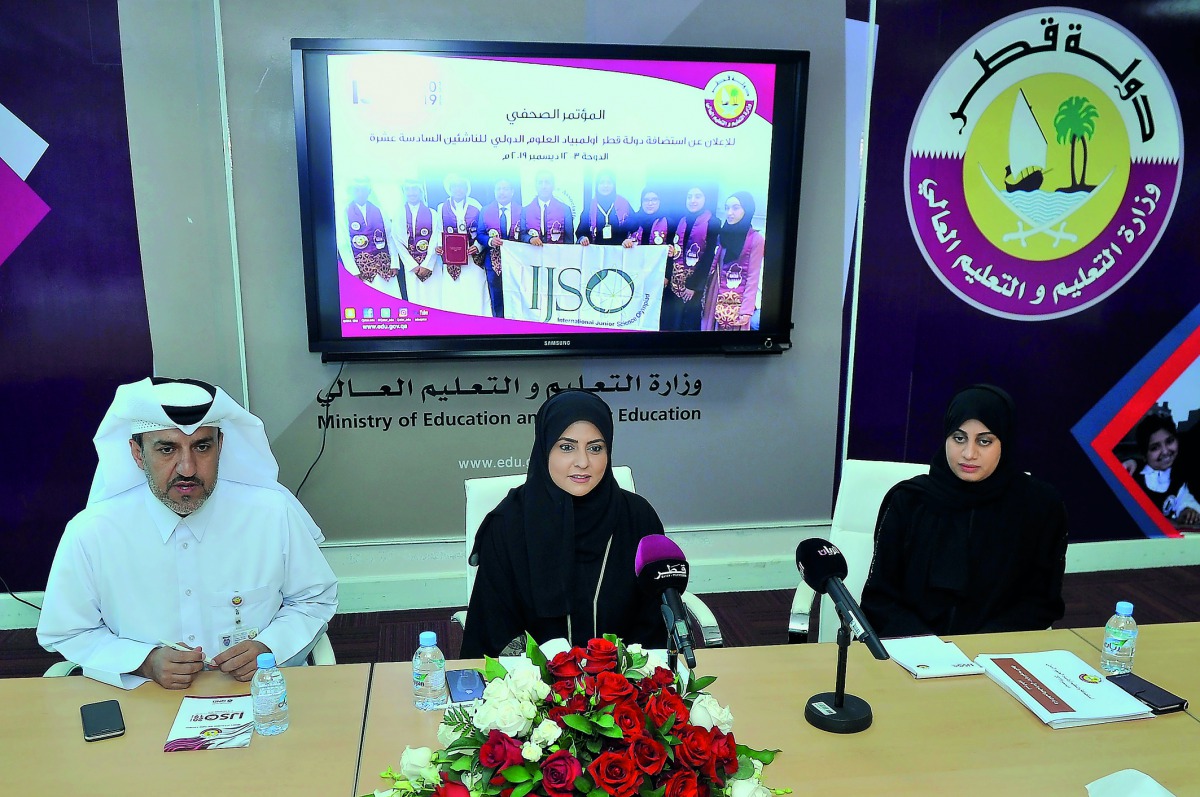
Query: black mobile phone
point(1158, 699)
point(465, 685)
point(102, 720)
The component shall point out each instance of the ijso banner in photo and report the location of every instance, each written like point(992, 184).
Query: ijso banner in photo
point(604, 287)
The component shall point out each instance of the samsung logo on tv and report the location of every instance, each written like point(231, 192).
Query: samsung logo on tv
point(556, 343)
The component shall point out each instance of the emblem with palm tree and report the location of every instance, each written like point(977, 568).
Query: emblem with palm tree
point(1074, 124)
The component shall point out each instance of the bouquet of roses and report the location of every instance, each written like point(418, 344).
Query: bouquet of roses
point(589, 722)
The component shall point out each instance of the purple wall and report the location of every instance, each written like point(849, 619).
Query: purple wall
point(73, 321)
point(917, 342)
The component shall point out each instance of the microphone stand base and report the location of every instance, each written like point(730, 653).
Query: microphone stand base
point(852, 717)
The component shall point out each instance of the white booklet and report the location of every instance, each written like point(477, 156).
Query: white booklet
point(1061, 689)
point(930, 657)
point(211, 723)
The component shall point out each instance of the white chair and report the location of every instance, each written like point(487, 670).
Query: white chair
point(322, 651)
point(320, 654)
point(484, 494)
point(61, 668)
point(863, 486)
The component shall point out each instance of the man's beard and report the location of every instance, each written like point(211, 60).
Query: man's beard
point(189, 503)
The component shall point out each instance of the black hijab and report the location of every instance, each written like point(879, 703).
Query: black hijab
point(643, 220)
point(733, 235)
point(948, 495)
point(689, 218)
point(992, 407)
point(559, 528)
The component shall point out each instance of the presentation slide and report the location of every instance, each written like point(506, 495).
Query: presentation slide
point(516, 196)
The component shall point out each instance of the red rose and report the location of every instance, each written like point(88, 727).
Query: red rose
point(724, 755)
point(601, 655)
point(559, 771)
point(613, 687)
point(566, 664)
point(648, 754)
point(684, 783)
point(663, 705)
point(695, 745)
point(662, 676)
point(500, 751)
point(629, 719)
point(449, 788)
point(564, 688)
point(576, 705)
point(616, 774)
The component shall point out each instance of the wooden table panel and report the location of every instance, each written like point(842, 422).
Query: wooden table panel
point(43, 752)
point(949, 736)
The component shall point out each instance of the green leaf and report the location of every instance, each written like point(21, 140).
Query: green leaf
point(523, 789)
point(593, 745)
point(745, 769)
point(517, 773)
point(597, 792)
point(612, 733)
point(659, 792)
point(765, 756)
point(462, 765)
point(493, 669)
point(536, 657)
point(667, 723)
point(700, 684)
point(583, 785)
point(578, 722)
point(605, 720)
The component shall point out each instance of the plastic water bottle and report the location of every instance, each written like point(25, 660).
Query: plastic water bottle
point(1120, 641)
point(270, 697)
point(429, 675)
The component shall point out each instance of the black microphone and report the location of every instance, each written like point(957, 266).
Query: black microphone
point(662, 570)
point(823, 567)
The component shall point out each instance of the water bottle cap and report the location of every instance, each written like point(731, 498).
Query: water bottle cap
point(428, 639)
point(265, 661)
point(1125, 608)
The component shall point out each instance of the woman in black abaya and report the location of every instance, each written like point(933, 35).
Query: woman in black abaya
point(556, 556)
point(977, 545)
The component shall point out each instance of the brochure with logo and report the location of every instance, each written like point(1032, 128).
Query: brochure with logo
point(930, 657)
point(1061, 689)
point(211, 723)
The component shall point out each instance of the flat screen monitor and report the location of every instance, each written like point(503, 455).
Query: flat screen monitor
point(485, 198)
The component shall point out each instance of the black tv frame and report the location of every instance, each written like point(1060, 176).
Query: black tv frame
point(318, 208)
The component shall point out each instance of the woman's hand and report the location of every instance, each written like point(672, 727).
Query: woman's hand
point(629, 243)
point(1188, 517)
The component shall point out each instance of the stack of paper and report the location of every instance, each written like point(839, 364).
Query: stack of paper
point(930, 657)
point(211, 723)
point(1061, 689)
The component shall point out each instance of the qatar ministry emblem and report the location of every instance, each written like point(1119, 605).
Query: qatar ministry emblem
point(1044, 164)
point(730, 99)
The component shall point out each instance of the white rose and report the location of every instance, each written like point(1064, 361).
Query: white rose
point(512, 717)
point(526, 683)
point(531, 752)
point(497, 689)
point(748, 787)
point(635, 649)
point(708, 713)
point(416, 765)
point(446, 735)
point(546, 734)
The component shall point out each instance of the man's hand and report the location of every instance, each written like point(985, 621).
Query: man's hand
point(495, 241)
point(170, 668)
point(536, 240)
point(423, 273)
point(241, 660)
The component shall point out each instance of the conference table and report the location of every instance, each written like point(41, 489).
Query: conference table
point(42, 750)
point(960, 736)
point(949, 736)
